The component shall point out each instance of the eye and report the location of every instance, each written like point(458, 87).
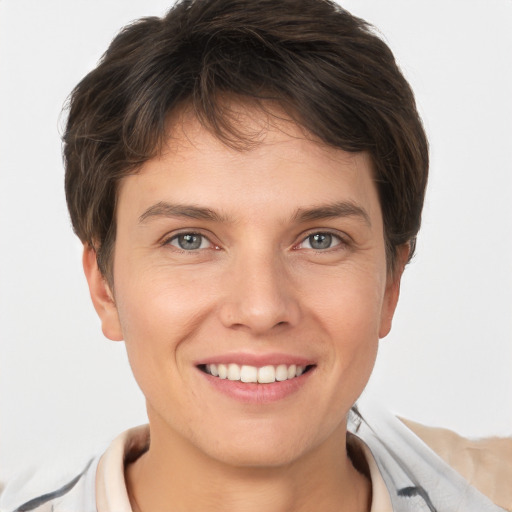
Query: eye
point(320, 241)
point(190, 241)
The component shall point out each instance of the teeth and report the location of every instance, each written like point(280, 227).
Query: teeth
point(266, 375)
point(233, 372)
point(223, 371)
point(249, 374)
point(263, 375)
point(281, 372)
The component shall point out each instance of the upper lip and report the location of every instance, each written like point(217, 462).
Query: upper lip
point(258, 360)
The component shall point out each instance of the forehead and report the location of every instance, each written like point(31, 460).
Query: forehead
point(280, 167)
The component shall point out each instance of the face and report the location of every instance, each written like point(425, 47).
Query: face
point(251, 289)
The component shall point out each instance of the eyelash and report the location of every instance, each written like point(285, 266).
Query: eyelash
point(334, 237)
point(175, 237)
point(340, 241)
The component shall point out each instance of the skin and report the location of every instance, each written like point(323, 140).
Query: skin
point(255, 286)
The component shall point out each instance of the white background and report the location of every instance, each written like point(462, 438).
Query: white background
point(64, 389)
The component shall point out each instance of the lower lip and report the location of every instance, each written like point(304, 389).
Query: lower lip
point(255, 393)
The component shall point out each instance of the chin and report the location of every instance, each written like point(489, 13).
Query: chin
point(256, 456)
point(269, 447)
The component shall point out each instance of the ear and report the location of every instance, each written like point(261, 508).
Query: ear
point(102, 296)
point(392, 292)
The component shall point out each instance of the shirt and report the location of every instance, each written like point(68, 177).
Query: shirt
point(406, 473)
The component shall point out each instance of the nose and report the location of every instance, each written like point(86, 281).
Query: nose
point(261, 296)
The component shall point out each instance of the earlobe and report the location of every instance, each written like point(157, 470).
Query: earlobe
point(101, 295)
point(392, 292)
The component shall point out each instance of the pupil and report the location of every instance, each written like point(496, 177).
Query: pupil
point(189, 241)
point(320, 240)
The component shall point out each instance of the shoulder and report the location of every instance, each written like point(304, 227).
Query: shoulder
point(40, 493)
point(101, 481)
point(484, 463)
point(434, 469)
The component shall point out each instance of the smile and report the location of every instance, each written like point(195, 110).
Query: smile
point(253, 374)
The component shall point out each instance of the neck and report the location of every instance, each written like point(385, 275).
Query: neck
point(174, 476)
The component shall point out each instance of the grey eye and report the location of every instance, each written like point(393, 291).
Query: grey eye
point(189, 241)
point(320, 241)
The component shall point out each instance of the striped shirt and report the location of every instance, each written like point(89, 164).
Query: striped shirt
point(406, 473)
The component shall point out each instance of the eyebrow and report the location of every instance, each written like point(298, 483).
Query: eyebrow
point(164, 209)
point(330, 211)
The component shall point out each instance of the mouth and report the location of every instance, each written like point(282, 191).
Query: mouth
point(253, 374)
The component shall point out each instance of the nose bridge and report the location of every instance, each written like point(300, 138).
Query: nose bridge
point(261, 293)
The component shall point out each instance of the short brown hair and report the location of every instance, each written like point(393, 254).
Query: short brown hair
point(326, 68)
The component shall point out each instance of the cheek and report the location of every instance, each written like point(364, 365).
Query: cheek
point(349, 312)
point(354, 334)
point(159, 299)
point(348, 302)
point(161, 312)
point(155, 318)
point(351, 355)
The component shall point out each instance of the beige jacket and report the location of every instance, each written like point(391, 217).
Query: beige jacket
point(485, 463)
